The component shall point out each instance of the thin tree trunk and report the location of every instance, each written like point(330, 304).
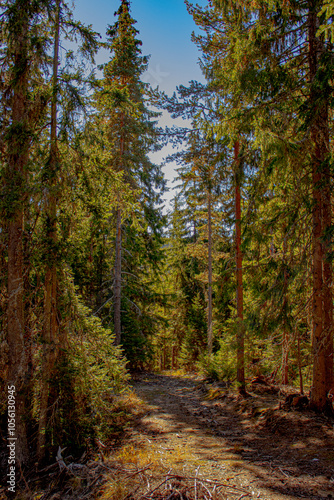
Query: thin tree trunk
point(165, 356)
point(50, 328)
point(99, 277)
point(239, 291)
point(210, 274)
point(118, 278)
point(17, 160)
point(322, 341)
point(318, 398)
point(285, 343)
point(118, 249)
point(301, 385)
point(327, 279)
point(285, 357)
point(174, 357)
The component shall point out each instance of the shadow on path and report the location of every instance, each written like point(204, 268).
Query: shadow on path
point(288, 453)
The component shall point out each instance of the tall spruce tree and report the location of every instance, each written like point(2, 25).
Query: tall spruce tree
point(130, 135)
point(66, 100)
point(23, 48)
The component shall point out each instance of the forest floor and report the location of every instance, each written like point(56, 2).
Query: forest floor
point(186, 439)
point(247, 448)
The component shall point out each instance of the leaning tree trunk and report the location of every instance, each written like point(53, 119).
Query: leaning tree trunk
point(18, 147)
point(322, 342)
point(50, 327)
point(239, 290)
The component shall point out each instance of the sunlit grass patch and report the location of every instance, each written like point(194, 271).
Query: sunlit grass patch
point(131, 402)
point(140, 457)
point(215, 393)
point(137, 466)
point(115, 489)
point(133, 465)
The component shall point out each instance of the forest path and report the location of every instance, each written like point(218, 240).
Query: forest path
point(219, 440)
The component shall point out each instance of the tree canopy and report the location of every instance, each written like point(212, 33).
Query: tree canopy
point(97, 281)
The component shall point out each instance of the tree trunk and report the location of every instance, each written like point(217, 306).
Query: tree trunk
point(50, 329)
point(285, 341)
point(118, 249)
point(18, 146)
point(118, 278)
point(327, 268)
point(285, 357)
point(322, 342)
point(239, 291)
point(210, 275)
point(165, 356)
point(174, 357)
point(327, 284)
point(18, 360)
point(301, 385)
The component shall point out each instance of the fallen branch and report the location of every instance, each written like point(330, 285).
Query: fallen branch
point(138, 471)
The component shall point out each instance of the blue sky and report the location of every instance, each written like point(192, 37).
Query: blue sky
point(165, 29)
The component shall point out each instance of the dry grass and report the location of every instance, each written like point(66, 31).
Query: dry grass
point(130, 404)
point(137, 467)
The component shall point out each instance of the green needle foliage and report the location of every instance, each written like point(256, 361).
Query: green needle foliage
point(122, 131)
point(94, 279)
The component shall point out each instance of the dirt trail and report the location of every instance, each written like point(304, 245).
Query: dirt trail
point(272, 454)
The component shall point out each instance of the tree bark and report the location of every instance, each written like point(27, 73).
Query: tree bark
point(285, 341)
point(18, 147)
point(285, 357)
point(239, 290)
point(209, 274)
point(301, 385)
point(322, 341)
point(50, 329)
point(328, 286)
point(118, 278)
point(118, 249)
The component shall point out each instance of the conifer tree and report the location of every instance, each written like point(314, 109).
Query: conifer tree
point(239, 274)
point(208, 169)
point(255, 56)
point(318, 123)
point(66, 99)
point(23, 49)
point(201, 177)
point(130, 136)
point(189, 320)
point(50, 332)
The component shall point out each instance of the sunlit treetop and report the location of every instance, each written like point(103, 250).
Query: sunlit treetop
point(127, 61)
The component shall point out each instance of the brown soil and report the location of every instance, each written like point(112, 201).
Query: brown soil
point(250, 444)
